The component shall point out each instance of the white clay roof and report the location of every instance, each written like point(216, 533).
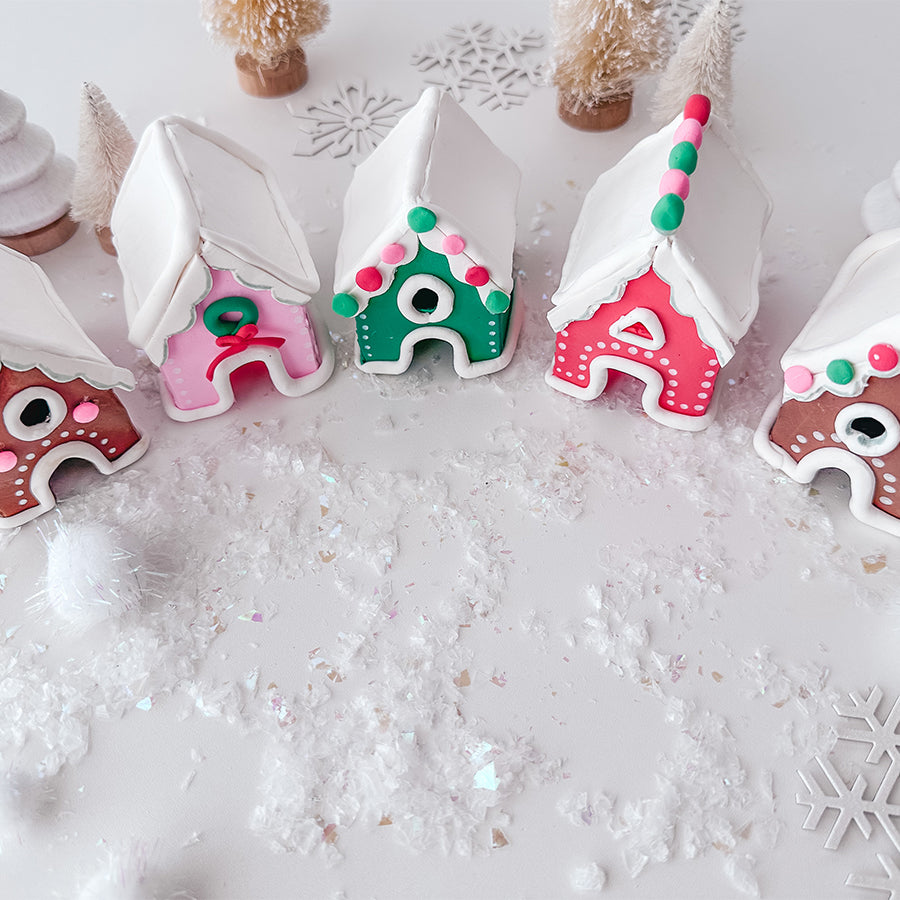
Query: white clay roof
point(191, 193)
point(37, 331)
point(859, 311)
point(436, 157)
point(714, 252)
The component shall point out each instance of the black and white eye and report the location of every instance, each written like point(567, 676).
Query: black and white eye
point(867, 429)
point(34, 413)
point(425, 298)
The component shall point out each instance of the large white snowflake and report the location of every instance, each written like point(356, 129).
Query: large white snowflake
point(496, 66)
point(351, 123)
point(827, 789)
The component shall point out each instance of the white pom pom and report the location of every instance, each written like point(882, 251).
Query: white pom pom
point(89, 577)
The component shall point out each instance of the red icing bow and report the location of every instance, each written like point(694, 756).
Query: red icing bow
point(241, 340)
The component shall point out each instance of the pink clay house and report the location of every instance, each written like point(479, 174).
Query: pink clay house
point(217, 272)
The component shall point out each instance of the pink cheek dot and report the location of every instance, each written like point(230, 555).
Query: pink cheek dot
point(8, 460)
point(691, 131)
point(85, 412)
point(393, 254)
point(453, 244)
point(674, 181)
point(477, 276)
point(883, 357)
point(798, 379)
point(369, 279)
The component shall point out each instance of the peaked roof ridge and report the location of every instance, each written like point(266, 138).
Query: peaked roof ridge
point(675, 184)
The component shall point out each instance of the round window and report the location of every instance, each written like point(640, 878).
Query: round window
point(867, 429)
point(33, 413)
point(425, 298)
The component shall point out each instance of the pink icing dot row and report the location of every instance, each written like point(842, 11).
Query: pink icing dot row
point(674, 181)
point(882, 358)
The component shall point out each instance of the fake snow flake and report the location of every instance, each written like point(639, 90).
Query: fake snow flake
point(350, 123)
point(890, 883)
point(252, 616)
point(826, 789)
point(590, 878)
point(495, 65)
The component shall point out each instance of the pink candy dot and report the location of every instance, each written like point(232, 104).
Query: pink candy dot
point(477, 276)
point(8, 460)
point(369, 279)
point(883, 357)
point(697, 107)
point(453, 244)
point(393, 254)
point(691, 131)
point(798, 379)
point(85, 412)
point(674, 181)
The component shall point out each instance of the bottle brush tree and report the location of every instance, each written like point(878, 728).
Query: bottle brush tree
point(35, 184)
point(700, 65)
point(105, 149)
point(600, 48)
point(267, 37)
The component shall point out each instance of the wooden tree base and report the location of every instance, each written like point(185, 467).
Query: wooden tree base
point(272, 81)
point(602, 117)
point(43, 239)
point(104, 238)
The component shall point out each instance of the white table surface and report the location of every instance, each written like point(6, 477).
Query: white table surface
point(735, 607)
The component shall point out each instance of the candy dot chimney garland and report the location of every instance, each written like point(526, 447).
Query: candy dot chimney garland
point(54, 405)
point(426, 249)
point(840, 403)
point(649, 287)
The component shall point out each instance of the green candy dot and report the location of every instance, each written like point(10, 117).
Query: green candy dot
point(684, 157)
point(840, 371)
point(668, 213)
point(421, 219)
point(345, 305)
point(496, 302)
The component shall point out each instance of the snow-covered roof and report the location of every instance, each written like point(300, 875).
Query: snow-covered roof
point(37, 331)
point(436, 157)
point(192, 195)
point(712, 258)
point(858, 315)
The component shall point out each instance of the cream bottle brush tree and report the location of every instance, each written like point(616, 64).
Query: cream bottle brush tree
point(105, 149)
point(35, 184)
point(267, 37)
point(600, 48)
point(700, 65)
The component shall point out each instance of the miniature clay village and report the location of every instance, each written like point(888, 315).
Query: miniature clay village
point(287, 509)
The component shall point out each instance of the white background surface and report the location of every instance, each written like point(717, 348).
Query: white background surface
point(690, 538)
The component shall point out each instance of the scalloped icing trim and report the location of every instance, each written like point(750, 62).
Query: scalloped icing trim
point(65, 379)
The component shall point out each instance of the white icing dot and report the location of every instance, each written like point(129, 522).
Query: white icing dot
point(702, 395)
point(670, 402)
point(795, 448)
point(20, 493)
point(29, 456)
point(111, 450)
point(561, 358)
point(801, 439)
point(663, 362)
point(673, 371)
point(633, 351)
point(889, 477)
point(561, 345)
point(20, 481)
point(835, 438)
point(568, 374)
point(583, 356)
point(362, 316)
point(818, 436)
point(670, 393)
point(886, 501)
point(177, 370)
point(93, 434)
point(581, 377)
point(23, 468)
point(558, 369)
point(81, 430)
point(588, 348)
point(492, 333)
point(878, 463)
point(492, 323)
point(564, 333)
point(705, 384)
point(46, 443)
point(889, 489)
point(614, 345)
point(582, 367)
point(673, 382)
point(365, 328)
point(600, 345)
point(179, 381)
point(23, 502)
point(64, 434)
point(684, 406)
point(713, 362)
point(104, 441)
point(648, 354)
point(492, 343)
point(699, 408)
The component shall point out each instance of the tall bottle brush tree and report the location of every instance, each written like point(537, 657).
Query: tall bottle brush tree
point(700, 65)
point(600, 48)
point(267, 37)
point(105, 149)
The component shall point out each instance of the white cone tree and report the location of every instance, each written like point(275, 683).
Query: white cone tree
point(602, 46)
point(700, 65)
point(35, 181)
point(105, 149)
